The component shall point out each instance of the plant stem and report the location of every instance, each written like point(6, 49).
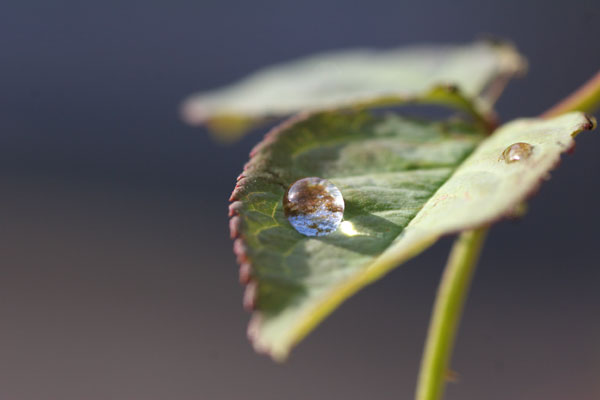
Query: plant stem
point(461, 264)
point(447, 311)
point(586, 99)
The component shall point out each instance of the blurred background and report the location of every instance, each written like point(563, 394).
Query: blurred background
point(117, 278)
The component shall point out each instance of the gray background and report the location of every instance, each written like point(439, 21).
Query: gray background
point(117, 279)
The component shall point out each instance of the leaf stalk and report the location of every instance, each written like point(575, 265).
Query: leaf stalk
point(586, 99)
point(447, 310)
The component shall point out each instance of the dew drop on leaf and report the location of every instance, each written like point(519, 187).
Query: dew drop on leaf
point(516, 152)
point(314, 206)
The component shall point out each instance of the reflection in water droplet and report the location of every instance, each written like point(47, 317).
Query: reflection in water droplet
point(517, 152)
point(347, 228)
point(314, 206)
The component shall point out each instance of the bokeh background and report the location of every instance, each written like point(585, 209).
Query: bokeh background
point(117, 279)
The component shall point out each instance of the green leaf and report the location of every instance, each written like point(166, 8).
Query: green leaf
point(357, 78)
point(405, 183)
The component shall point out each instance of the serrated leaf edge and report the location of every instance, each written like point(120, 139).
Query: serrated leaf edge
point(384, 263)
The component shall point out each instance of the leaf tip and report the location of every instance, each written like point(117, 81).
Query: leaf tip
point(591, 124)
point(193, 113)
point(278, 351)
point(224, 126)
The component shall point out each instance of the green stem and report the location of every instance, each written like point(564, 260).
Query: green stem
point(459, 270)
point(586, 99)
point(447, 311)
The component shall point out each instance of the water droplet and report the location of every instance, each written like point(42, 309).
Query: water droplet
point(314, 206)
point(516, 152)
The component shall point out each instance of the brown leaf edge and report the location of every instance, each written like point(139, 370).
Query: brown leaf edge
point(235, 222)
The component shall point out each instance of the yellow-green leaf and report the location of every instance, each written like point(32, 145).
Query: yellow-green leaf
point(405, 183)
point(357, 78)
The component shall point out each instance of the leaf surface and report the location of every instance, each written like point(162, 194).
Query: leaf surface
point(357, 78)
point(405, 183)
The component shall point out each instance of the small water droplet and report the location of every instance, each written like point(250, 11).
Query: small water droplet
point(516, 152)
point(314, 206)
